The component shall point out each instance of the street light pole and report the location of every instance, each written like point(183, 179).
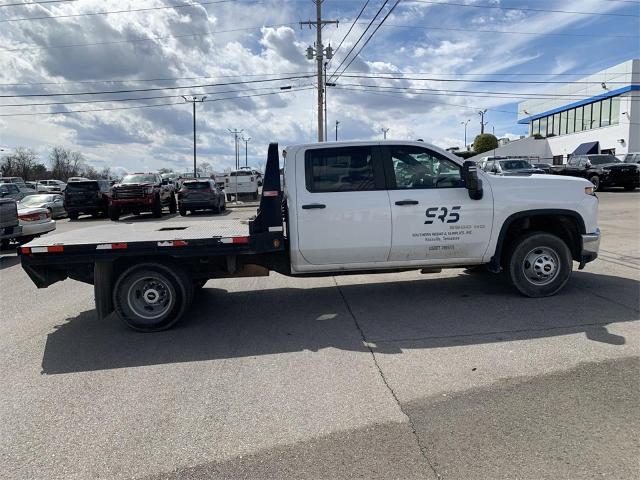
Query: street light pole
point(384, 132)
point(193, 99)
point(246, 149)
point(465, 132)
point(337, 123)
point(482, 122)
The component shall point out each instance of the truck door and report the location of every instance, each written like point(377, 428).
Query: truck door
point(343, 213)
point(432, 216)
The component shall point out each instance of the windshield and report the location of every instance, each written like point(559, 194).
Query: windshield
point(632, 158)
point(139, 179)
point(36, 199)
point(602, 159)
point(241, 173)
point(514, 164)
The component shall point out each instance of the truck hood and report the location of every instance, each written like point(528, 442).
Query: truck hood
point(124, 185)
point(537, 182)
point(523, 171)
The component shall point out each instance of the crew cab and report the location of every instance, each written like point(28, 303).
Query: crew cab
point(602, 170)
point(347, 207)
point(141, 192)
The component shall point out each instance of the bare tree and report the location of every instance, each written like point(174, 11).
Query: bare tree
point(20, 163)
point(105, 173)
point(66, 163)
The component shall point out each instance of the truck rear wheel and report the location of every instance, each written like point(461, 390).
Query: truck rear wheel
point(595, 180)
point(539, 264)
point(114, 213)
point(103, 288)
point(73, 215)
point(150, 297)
point(173, 208)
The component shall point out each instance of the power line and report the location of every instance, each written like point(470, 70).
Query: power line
point(65, 112)
point(351, 27)
point(182, 87)
point(42, 2)
point(431, 79)
point(147, 39)
point(133, 10)
point(359, 38)
point(369, 39)
point(526, 9)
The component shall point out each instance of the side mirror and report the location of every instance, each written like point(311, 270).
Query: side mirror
point(588, 164)
point(471, 179)
point(494, 170)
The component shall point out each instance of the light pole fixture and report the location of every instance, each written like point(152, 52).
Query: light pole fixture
point(337, 123)
point(193, 99)
point(482, 122)
point(465, 132)
point(384, 132)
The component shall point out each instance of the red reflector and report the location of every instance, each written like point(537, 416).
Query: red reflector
point(270, 193)
point(55, 249)
point(240, 239)
point(179, 243)
point(25, 250)
point(115, 246)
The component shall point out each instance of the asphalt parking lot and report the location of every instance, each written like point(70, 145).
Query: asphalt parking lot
point(449, 375)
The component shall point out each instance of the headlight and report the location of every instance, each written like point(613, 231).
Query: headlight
point(590, 190)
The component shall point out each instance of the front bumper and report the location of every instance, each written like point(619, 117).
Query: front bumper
point(590, 247)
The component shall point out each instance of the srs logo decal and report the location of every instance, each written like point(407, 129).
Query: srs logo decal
point(451, 216)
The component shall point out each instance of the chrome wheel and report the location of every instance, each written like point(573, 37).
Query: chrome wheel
point(595, 180)
point(541, 266)
point(151, 297)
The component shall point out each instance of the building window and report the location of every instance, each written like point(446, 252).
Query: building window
point(571, 118)
point(605, 117)
point(563, 123)
point(579, 120)
point(595, 115)
point(557, 159)
point(556, 124)
point(587, 117)
point(543, 126)
point(536, 127)
point(615, 110)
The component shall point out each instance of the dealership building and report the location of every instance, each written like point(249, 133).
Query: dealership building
point(599, 113)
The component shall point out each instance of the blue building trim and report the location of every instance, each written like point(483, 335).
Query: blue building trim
point(602, 96)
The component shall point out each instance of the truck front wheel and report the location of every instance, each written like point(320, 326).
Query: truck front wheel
point(150, 297)
point(595, 179)
point(114, 213)
point(539, 264)
point(173, 207)
point(157, 208)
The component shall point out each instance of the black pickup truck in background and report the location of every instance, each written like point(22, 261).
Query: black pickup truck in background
point(603, 170)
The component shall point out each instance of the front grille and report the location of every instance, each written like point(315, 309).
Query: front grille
point(128, 192)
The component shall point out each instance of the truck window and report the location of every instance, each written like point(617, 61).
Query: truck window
point(416, 167)
point(339, 169)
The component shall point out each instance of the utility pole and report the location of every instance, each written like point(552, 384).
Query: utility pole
point(465, 132)
point(384, 132)
point(319, 53)
point(337, 123)
point(326, 131)
point(246, 149)
point(236, 132)
point(482, 122)
point(193, 100)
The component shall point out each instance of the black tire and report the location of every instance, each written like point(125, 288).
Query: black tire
point(183, 212)
point(157, 208)
point(73, 215)
point(630, 188)
point(595, 180)
point(103, 288)
point(217, 209)
point(114, 213)
point(173, 207)
point(539, 264)
point(162, 283)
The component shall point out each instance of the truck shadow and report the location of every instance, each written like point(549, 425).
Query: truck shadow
point(418, 313)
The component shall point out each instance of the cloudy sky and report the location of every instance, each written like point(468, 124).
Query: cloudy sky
point(151, 53)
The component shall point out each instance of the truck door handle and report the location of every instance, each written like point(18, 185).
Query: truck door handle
point(407, 202)
point(313, 205)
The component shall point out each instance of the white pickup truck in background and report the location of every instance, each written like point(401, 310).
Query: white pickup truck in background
point(242, 182)
point(348, 207)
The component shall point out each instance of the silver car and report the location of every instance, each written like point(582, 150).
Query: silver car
point(52, 202)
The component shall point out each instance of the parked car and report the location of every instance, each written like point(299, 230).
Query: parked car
point(52, 202)
point(242, 182)
point(53, 186)
point(34, 222)
point(12, 191)
point(37, 187)
point(511, 166)
point(20, 183)
point(632, 157)
point(603, 170)
point(141, 192)
point(9, 224)
point(87, 197)
point(199, 195)
point(545, 167)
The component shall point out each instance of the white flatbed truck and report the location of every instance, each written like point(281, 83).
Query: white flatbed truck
point(347, 207)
